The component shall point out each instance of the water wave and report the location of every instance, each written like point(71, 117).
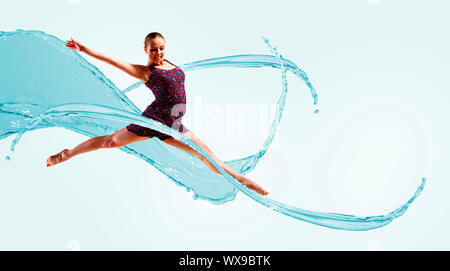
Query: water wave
point(45, 84)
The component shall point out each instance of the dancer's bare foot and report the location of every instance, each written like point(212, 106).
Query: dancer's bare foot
point(252, 185)
point(58, 158)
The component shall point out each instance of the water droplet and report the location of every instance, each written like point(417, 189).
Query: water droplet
point(7, 158)
point(195, 196)
point(316, 111)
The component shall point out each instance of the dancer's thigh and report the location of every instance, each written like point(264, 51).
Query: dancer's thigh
point(176, 143)
point(123, 137)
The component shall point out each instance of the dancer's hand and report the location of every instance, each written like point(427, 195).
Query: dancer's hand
point(75, 45)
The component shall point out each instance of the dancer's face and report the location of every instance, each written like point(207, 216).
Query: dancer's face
point(155, 49)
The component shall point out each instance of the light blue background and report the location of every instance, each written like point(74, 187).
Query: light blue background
point(379, 67)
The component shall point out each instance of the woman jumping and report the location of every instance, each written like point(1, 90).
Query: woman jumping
point(166, 81)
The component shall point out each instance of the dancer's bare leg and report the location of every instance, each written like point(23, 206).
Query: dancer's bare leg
point(241, 178)
point(118, 139)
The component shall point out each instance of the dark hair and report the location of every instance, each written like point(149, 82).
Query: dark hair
point(151, 36)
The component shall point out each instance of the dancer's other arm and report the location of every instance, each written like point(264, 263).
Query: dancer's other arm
point(137, 71)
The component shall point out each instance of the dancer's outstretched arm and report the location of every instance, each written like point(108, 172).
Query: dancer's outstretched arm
point(137, 71)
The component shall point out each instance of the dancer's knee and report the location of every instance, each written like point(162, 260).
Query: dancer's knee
point(110, 142)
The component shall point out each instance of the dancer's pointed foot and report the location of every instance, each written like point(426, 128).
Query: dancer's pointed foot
point(58, 158)
point(252, 185)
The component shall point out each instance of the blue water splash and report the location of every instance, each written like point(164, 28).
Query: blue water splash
point(45, 84)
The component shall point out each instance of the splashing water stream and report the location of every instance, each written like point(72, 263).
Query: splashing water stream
point(45, 84)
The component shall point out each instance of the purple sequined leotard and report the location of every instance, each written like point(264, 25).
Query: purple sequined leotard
point(169, 105)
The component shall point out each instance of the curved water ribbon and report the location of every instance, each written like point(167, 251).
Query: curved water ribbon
point(106, 110)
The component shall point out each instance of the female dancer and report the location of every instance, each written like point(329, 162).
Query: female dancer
point(167, 83)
